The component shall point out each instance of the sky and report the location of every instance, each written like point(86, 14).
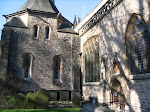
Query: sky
point(67, 8)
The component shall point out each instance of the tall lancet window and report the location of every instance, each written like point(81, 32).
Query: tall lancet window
point(35, 31)
point(47, 32)
point(57, 68)
point(138, 45)
point(27, 65)
point(91, 60)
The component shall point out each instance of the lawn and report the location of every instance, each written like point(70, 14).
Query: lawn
point(42, 110)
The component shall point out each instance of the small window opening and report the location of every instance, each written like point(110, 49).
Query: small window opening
point(35, 31)
point(47, 32)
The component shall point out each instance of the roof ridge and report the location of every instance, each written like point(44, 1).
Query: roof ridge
point(40, 5)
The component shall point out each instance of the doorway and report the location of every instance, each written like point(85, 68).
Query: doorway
point(117, 97)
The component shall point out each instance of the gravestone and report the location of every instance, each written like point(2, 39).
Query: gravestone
point(31, 100)
point(53, 95)
point(64, 96)
point(20, 101)
point(76, 98)
point(42, 99)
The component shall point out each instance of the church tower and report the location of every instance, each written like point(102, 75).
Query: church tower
point(41, 50)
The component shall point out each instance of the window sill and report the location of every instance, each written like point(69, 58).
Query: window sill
point(26, 80)
point(35, 38)
point(57, 82)
point(91, 84)
point(140, 76)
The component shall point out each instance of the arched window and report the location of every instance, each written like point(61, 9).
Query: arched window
point(103, 69)
point(91, 60)
point(47, 32)
point(138, 45)
point(35, 31)
point(57, 68)
point(27, 66)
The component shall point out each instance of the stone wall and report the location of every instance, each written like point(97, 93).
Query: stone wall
point(112, 31)
point(43, 51)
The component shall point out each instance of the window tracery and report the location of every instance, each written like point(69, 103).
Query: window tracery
point(91, 59)
point(139, 46)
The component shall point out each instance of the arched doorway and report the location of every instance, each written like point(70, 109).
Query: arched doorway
point(117, 97)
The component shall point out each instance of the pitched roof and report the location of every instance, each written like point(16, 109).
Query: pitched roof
point(16, 22)
point(66, 28)
point(40, 5)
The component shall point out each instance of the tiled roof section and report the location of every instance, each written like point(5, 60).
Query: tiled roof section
point(65, 28)
point(64, 25)
point(16, 22)
point(40, 5)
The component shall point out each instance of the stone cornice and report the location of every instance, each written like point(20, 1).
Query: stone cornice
point(104, 10)
point(29, 10)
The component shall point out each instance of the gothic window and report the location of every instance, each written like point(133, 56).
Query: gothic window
point(138, 42)
point(91, 60)
point(27, 65)
point(132, 56)
point(35, 31)
point(140, 55)
point(47, 32)
point(57, 68)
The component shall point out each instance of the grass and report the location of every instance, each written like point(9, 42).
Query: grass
point(60, 101)
point(42, 110)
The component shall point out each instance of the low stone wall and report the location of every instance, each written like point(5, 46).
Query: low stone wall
point(59, 95)
point(60, 104)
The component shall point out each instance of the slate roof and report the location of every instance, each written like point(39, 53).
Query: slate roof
point(64, 27)
point(40, 5)
point(16, 22)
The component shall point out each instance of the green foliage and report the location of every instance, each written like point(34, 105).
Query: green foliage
point(10, 99)
point(20, 101)
point(42, 110)
point(3, 99)
point(60, 101)
point(42, 99)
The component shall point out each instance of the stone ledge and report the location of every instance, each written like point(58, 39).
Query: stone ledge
point(61, 104)
point(140, 77)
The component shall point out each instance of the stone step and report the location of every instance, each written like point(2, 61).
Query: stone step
point(61, 104)
point(95, 108)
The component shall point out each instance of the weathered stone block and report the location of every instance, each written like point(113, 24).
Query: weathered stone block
point(76, 99)
point(53, 95)
point(64, 96)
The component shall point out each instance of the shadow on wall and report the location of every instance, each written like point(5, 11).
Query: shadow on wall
point(0, 48)
point(119, 41)
point(14, 76)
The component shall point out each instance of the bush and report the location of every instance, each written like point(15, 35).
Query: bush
point(10, 100)
point(3, 101)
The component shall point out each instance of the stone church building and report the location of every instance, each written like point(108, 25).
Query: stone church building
point(104, 59)
point(40, 51)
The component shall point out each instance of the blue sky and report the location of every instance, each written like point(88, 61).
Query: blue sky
point(68, 8)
